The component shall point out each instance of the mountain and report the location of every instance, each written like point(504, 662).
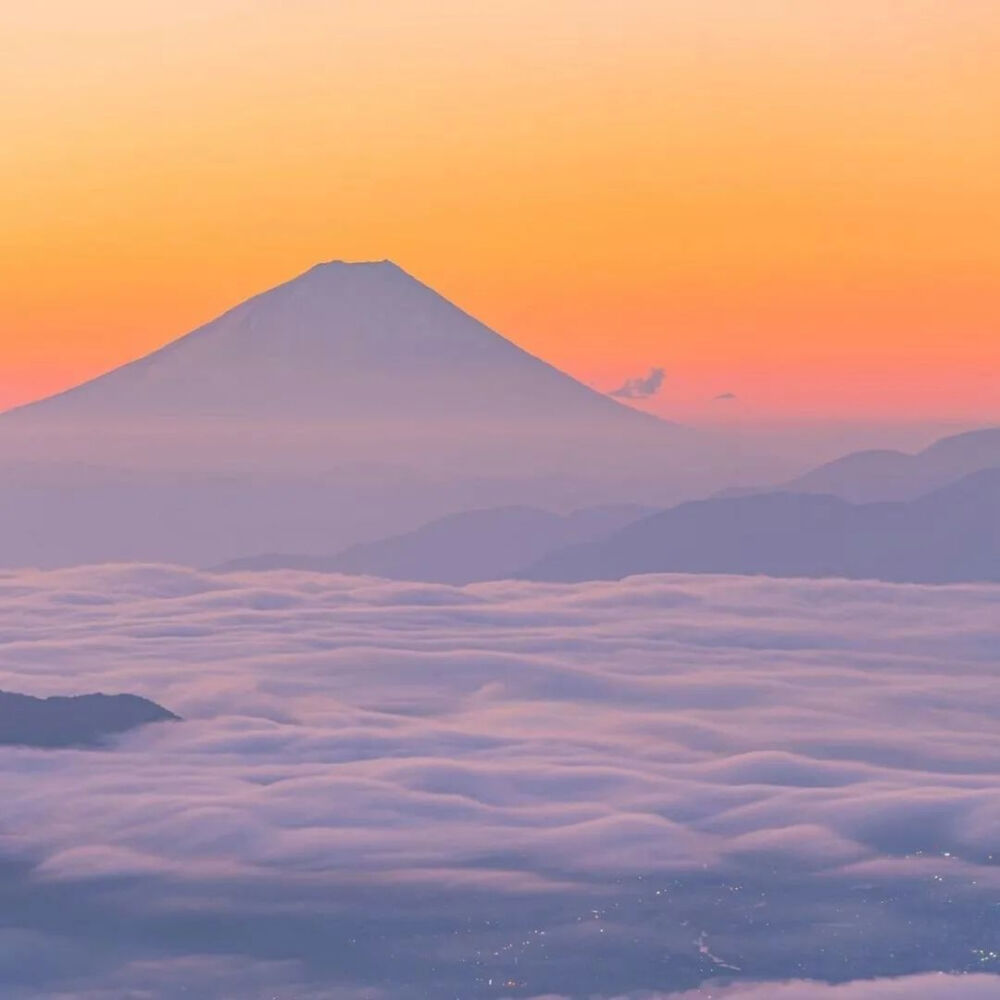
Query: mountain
point(868, 476)
point(347, 404)
point(474, 545)
point(949, 535)
point(84, 720)
point(345, 342)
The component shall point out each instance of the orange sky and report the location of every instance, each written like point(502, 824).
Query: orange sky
point(794, 200)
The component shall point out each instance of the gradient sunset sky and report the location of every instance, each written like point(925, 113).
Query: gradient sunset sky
point(796, 201)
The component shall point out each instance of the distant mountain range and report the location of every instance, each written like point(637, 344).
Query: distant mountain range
point(949, 535)
point(475, 545)
point(344, 409)
point(87, 720)
point(868, 476)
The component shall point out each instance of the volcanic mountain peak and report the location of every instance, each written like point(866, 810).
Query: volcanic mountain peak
point(344, 341)
point(346, 311)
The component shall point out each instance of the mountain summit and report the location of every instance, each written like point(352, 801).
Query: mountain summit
point(344, 341)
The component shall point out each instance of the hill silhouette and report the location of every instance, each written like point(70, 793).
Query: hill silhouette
point(83, 720)
point(947, 536)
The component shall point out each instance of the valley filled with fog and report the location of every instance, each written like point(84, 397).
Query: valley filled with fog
point(610, 789)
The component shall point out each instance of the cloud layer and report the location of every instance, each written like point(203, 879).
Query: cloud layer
point(507, 789)
point(930, 986)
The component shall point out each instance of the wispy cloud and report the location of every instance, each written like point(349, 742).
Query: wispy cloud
point(641, 386)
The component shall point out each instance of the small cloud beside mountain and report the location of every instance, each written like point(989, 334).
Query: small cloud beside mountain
point(641, 386)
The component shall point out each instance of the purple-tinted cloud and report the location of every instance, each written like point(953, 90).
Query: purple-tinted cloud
point(932, 986)
point(640, 386)
point(588, 747)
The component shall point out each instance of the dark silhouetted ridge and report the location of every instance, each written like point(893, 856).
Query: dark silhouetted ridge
point(471, 546)
point(950, 535)
point(80, 721)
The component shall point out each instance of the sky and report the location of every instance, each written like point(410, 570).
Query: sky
point(791, 201)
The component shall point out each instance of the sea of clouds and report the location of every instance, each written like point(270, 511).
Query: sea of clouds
point(669, 786)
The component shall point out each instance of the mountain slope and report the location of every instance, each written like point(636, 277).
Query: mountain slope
point(949, 535)
point(475, 545)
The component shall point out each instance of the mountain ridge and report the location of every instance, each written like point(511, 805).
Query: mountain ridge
point(887, 474)
point(65, 721)
point(949, 535)
point(465, 547)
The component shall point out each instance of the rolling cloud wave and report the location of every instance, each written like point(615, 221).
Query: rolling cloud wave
point(709, 778)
